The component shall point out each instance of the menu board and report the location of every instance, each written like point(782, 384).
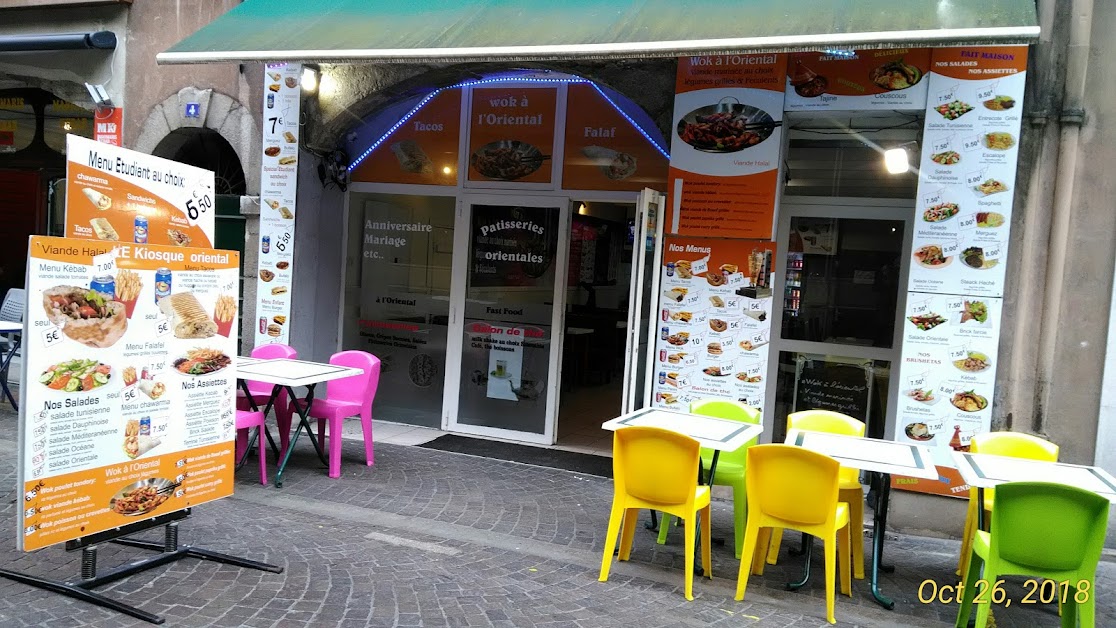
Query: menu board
point(603, 151)
point(727, 136)
point(128, 403)
point(865, 80)
point(511, 133)
point(278, 195)
point(119, 195)
point(823, 384)
point(714, 321)
point(954, 303)
point(422, 151)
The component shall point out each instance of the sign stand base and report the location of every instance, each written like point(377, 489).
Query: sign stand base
point(170, 552)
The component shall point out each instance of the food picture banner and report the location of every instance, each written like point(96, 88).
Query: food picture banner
point(278, 195)
point(128, 406)
point(603, 151)
point(714, 321)
point(868, 79)
point(422, 151)
point(511, 133)
point(120, 195)
point(725, 146)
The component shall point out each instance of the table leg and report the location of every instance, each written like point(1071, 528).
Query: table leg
point(4, 370)
point(879, 528)
point(303, 422)
point(808, 555)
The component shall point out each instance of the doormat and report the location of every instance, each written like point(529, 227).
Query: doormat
point(540, 456)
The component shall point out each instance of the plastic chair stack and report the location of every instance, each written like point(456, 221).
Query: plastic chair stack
point(794, 488)
point(852, 493)
point(1042, 530)
point(657, 469)
point(1010, 444)
point(351, 396)
point(730, 464)
point(261, 392)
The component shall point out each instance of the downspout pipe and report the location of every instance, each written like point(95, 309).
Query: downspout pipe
point(96, 40)
point(1071, 119)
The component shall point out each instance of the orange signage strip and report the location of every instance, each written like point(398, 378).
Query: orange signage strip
point(866, 79)
point(423, 151)
point(511, 133)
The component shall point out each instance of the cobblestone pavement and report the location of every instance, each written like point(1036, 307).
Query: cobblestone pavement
point(430, 538)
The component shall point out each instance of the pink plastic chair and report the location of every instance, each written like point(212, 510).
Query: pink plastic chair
point(261, 392)
point(245, 420)
point(344, 398)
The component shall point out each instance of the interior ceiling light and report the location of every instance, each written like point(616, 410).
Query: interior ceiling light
point(491, 81)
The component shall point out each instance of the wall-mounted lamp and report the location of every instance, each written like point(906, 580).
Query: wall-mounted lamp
point(897, 160)
point(583, 210)
point(99, 95)
point(310, 76)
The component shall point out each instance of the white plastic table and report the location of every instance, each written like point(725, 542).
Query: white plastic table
point(286, 374)
point(883, 458)
point(9, 328)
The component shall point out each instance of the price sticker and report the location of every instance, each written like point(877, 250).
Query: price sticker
point(974, 178)
point(933, 198)
point(758, 339)
point(920, 309)
point(955, 304)
point(917, 381)
point(52, 336)
point(943, 144)
point(162, 326)
point(985, 93)
point(754, 369)
point(971, 143)
point(947, 389)
point(696, 341)
point(737, 279)
point(283, 242)
point(734, 325)
point(683, 381)
point(201, 202)
point(993, 252)
point(958, 353)
point(732, 303)
point(946, 96)
point(691, 299)
point(756, 402)
point(229, 286)
point(129, 394)
point(966, 223)
point(950, 247)
point(105, 263)
point(700, 266)
point(755, 306)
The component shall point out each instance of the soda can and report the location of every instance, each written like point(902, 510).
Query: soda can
point(662, 377)
point(145, 426)
point(665, 314)
point(263, 324)
point(662, 356)
point(265, 244)
point(145, 374)
point(104, 284)
point(665, 331)
point(670, 269)
point(162, 283)
point(140, 230)
point(271, 101)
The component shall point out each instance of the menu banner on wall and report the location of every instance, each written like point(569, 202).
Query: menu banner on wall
point(422, 151)
point(603, 151)
point(511, 133)
point(714, 321)
point(725, 147)
point(278, 195)
point(964, 208)
point(119, 195)
point(128, 407)
point(863, 81)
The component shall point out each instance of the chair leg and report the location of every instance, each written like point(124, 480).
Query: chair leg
point(968, 591)
point(263, 457)
point(610, 537)
point(843, 557)
point(323, 435)
point(241, 443)
point(706, 541)
point(366, 426)
point(762, 542)
point(739, 517)
point(627, 532)
point(985, 609)
point(664, 527)
point(830, 573)
point(751, 550)
point(856, 529)
point(776, 541)
point(1084, 613)
point(967, 536)
point(688, 548)
point(335, 447)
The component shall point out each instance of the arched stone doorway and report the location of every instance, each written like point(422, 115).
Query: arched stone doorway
point(206, 148)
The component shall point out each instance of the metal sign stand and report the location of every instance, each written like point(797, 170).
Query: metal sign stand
point(169, 549)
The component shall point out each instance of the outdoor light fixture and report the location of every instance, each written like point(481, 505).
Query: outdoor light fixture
point(99, 95)
point(309, 79)
point(896, 160)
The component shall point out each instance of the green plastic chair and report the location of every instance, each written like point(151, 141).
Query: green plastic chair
point(730, 464)
point(1045, 530)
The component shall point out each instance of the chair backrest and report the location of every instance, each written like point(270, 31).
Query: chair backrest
point(1049, 527)
point(825, 421)
point(733, 411)
point(655, 465)
point(359, 389)
point(1014, 445)
point(270, 352)
point(792, 483)
point(15, 302)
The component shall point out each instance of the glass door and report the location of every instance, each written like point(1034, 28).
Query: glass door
point(646, 252)
point(837, 335)
point(507, 316)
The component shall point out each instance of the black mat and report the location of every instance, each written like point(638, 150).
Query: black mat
point(543, 457)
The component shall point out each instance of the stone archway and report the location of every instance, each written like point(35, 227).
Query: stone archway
point(218, 112)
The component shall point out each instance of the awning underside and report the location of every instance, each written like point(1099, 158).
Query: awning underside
point(491, 30)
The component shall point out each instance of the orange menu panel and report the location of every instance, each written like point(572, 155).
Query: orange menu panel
point(423, 151)
point(511, 133)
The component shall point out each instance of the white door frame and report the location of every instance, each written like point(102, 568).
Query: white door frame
point(838, 207)
point(649, 218)
point(455, 343)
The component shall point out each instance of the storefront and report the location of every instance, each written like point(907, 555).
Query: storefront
point(513, 240)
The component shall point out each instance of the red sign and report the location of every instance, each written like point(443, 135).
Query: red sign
point(108, 125)
point(7, 138)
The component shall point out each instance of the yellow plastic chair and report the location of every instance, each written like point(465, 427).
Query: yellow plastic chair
point(851, 491)
point(791, 487)
point(1010, 444)
point(657, 469)
point(730, 464)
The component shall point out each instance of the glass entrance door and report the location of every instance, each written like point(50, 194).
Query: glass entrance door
point(507, 316)
point(843, 290)
point(646, 252)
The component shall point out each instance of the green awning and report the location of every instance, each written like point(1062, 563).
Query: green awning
point(494, 30)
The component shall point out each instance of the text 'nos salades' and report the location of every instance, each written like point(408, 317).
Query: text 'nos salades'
point(510, 119)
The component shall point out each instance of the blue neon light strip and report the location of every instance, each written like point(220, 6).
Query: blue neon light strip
point(426, 99)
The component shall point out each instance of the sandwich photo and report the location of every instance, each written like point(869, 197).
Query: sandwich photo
point(272, 204)
point(273, 87)
point(279, 290)
point(99, 200)
point(714, 348)
point(681, 316)
point(279, 320)
point(103, 229)
point(87, 316)
point(152, 388)
point(672, 379)
point(285, 213)
point(288, 160)
point(274, 330)
point(412, 158)
point(676, 294)
point(729, 269)
point(189, 318)
point(289, 137)
point(275, 76)
point(669, 398)
point(178, 238)
point(675, 358)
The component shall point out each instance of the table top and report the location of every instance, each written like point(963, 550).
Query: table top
point(283, 372)
point(986, 471)
point(869, 454)
point(711, 432)
point(7, 327)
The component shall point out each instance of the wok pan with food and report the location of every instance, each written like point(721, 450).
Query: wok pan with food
point(507, 160)
point(726, 127)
